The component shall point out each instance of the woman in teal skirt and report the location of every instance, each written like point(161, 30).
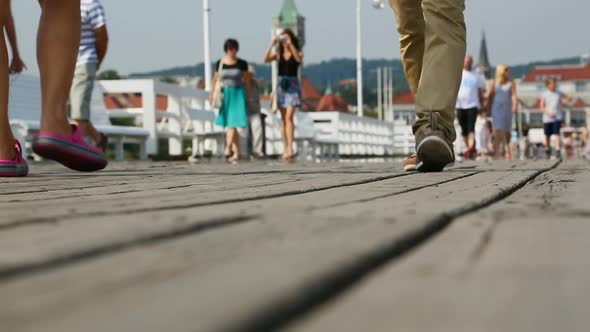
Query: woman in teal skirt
point(233, 73)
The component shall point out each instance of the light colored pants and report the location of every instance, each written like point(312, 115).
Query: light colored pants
point(256, 128)
point(433, 46)
point(81, 92)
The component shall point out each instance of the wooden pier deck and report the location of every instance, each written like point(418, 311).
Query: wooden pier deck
point(484, 246)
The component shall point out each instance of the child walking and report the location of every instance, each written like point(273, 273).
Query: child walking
point(553, 115)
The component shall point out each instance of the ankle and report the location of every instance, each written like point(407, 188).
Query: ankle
point(58, 126)
point(7, 152)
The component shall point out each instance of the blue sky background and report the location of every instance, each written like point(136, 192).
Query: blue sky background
point(151, 34)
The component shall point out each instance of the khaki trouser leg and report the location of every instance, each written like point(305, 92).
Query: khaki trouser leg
point(444, 50)
point(410, 25)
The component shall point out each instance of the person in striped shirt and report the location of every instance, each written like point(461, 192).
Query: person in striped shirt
point(58, 40)
point(93, 48)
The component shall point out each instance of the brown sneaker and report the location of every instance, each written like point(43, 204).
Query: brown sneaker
point(434, 149)
point(410, 163)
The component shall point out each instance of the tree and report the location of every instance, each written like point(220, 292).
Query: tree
point(109, 74)
point(168, 79)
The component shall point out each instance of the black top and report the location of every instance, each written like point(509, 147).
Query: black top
point(240, 64)
point(288, 67)
point(233, 75)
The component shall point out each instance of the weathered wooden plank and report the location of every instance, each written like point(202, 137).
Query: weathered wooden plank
point(93, 202)
point(35, 245)
point(502, 165)
point(516, 266)
point(253, 276)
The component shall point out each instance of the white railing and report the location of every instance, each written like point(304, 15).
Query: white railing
point(355, 136)
point(404, 141)
point(186, 115)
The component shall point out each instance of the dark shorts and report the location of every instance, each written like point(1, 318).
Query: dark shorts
point(552, 128)
point(467, 119)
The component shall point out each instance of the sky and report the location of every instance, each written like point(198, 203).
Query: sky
point(152, 34)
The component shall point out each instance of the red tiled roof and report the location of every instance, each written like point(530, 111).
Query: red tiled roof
point(406, 98)
point(311, 96)
point(579, 103)
point(126, 100)
point(331, 103)
point(563, 73)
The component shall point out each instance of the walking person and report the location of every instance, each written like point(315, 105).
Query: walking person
point(502, 103)
point(233, 74)
point(255, 115)
point(93, 49)
point(432, 41)
point(290, 58)
point(16, 64)
point(57, 44)
point(553, 115)
point(469, 101)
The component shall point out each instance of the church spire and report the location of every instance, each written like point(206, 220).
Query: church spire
point(289, 13)
point(483, 65)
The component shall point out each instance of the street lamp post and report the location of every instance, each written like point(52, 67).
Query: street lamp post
point(359, 60)
point(379, 94)
point(207, 44)
point(377, 4)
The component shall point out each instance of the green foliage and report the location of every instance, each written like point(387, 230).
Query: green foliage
point(167, 79)
point(109, 74)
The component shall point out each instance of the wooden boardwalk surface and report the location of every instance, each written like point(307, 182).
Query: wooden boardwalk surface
point(320, 247)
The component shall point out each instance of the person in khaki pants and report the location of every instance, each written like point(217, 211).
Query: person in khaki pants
point(432, 42)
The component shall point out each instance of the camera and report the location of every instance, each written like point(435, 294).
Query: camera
point(282, 38)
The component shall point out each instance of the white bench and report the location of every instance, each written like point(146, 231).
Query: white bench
point(186, 117)
point(118, 135)
point(200, 128)
point(25, 113)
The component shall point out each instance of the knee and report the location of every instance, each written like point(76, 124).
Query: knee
point(81, 123)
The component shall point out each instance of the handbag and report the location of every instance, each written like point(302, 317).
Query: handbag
point(218, 89)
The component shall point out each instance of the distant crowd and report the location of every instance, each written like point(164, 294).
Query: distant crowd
point(486, 116)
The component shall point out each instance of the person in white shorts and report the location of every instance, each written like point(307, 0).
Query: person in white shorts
point(93, 49)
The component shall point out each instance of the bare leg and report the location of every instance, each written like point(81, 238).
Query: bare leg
point(497, 141)
point(58, 40)
point(471, 141)
point(236, 144)
point(547, 142)
point(284, 132)
point(558, 142)
point(6, 136)
point(229, 140)
point(290, 130)
point(88, 129)
point(507, 148)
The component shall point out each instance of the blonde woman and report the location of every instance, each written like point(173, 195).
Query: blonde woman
point(502, 103)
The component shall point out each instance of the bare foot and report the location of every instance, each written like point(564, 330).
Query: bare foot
point(234, 159)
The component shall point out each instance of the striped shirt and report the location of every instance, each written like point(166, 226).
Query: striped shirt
point(93, 17)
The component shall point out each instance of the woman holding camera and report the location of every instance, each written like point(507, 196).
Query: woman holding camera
point(289, 57)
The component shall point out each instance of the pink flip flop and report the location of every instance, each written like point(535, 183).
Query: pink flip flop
point(71, 151)
point(17, 167)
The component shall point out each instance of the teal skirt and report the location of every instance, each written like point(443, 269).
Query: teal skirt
point(234, 111)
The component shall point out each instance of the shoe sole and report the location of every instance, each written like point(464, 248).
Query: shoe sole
point(434, 155)
point(410, 168)
point(71, 156)
point(13, 171)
